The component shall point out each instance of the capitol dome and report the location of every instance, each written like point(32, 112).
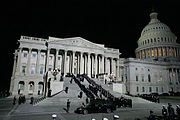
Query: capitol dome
point(157, 41)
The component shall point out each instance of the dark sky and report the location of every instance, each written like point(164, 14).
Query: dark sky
point(115, 23)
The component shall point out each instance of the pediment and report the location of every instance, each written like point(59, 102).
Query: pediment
point(75, 41)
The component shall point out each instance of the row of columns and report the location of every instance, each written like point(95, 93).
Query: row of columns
point(99, 62)
point(159, 51)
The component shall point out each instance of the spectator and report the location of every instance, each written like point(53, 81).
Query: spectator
point(178, 111)
point(164, 113)
point(68, 105)
point(151, 116)
point(171, 112)
point(14, 100)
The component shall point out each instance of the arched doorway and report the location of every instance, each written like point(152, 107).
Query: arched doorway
point(40, 88)
point(31, 88)
point(20, 87)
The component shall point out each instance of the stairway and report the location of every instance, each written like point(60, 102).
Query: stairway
point(61, 98)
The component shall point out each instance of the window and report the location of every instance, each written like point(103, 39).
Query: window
point(50, 69)
point(162, 89)
point(156, 52)
point(152, 51)
point(25, 55)
point(59, 58)
point(23, 69)
point(42, 56)
point(160, 52)
point(164, 52)
point(150, 89)
point(34, 55)
point(142, 78)
point(149, 53)
point(136, 78)
point(157, 89)
point(169, 51)
point(32, 69)
point(41, 70)
point(136, 69)
point(137, 89)
point(50, 57)
point(161, 79)
point(149, 78)
point(143, 90)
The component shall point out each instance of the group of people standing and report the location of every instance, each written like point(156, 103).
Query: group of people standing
point(21, 99)
point(169, 112)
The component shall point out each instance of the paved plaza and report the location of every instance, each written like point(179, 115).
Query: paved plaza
point(54, 105)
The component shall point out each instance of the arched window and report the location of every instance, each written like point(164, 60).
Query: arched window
point(152, 52)
point(156, 52)
point(160, 54)
point(149, 78)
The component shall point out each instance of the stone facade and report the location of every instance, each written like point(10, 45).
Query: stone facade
point(36, 56)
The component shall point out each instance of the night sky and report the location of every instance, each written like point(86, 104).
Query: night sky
point(115, 23)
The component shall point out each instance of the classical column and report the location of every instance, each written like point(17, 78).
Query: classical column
point(95, 63)
point(105, 65)
point(81, 61)
point(89, 65)
point(19, 60)
point(14, 65)
point(102, 63)
point(111, 65)
point(117, 69)
point(73, 61)
point(47, 60)
point(38, 61)
point(29, 61)
point(65, 55)
point(56, 58)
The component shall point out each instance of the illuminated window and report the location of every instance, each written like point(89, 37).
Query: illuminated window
point(152, 51)
point(155, 78)
point(50, 57)
point(155, 70)
point(161, 79)
point(149, 53)
point(173, 52)
point(164, 52)
point(169, 51)
point(143, 54)
point(160, 52)
point(156, 52)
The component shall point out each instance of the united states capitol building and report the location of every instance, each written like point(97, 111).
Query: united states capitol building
point(156, 68)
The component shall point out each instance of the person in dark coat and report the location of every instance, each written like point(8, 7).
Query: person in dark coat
point(14, 100)
point(164, 113)
point(178, 111)
point(20, 100)
point(68, 105)
point(151, 116)
point(171, 112)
